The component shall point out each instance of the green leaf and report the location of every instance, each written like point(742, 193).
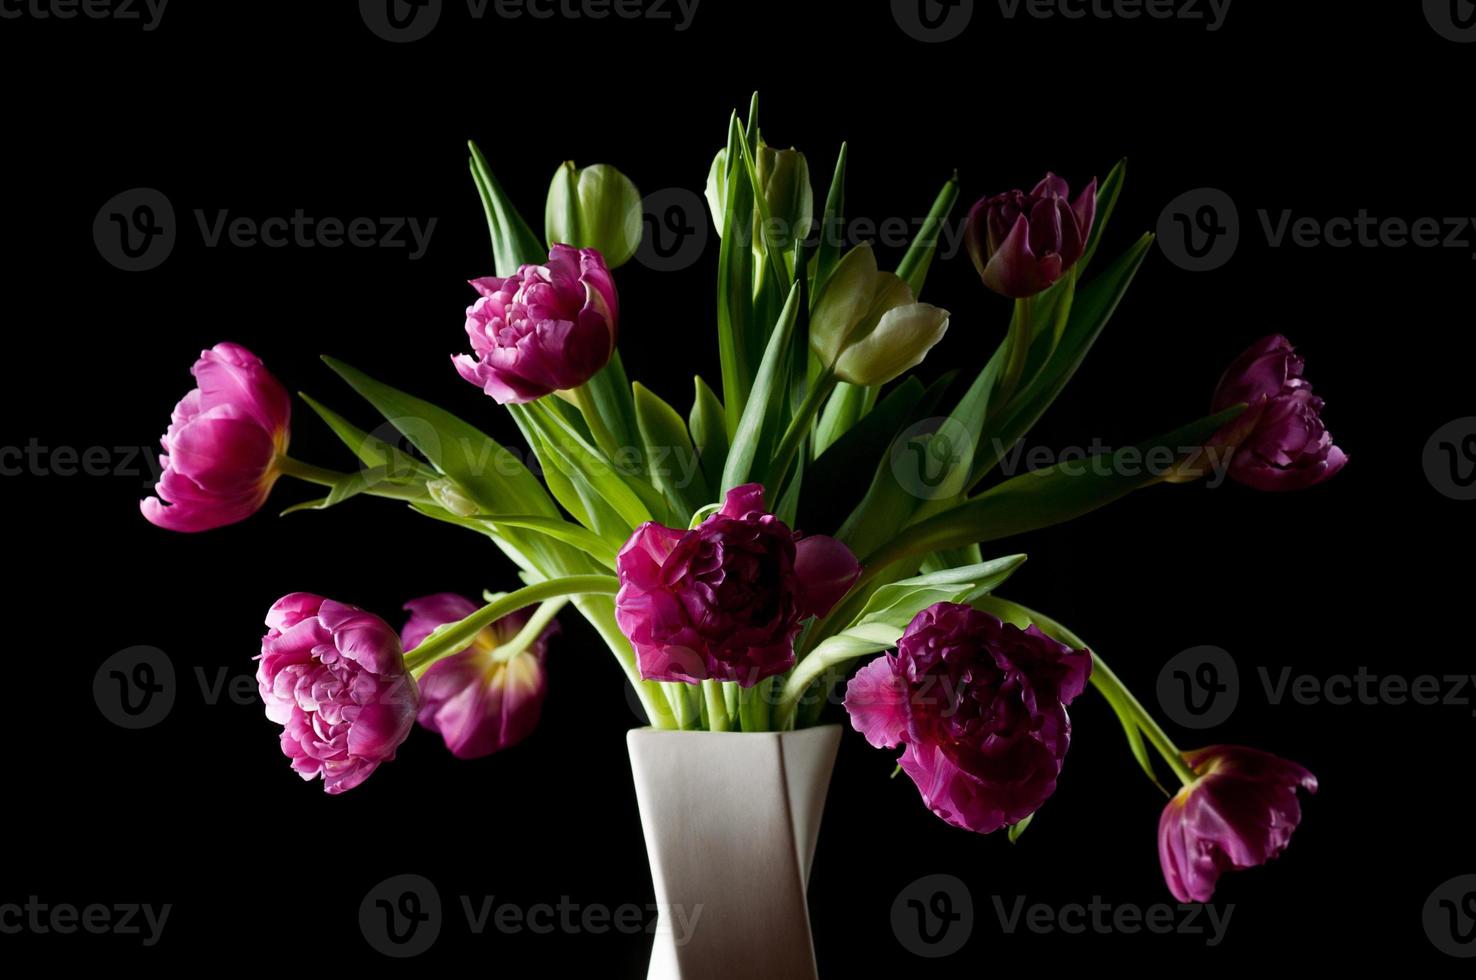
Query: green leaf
point(1092, 307)
point(709, 431)
point(1107, 194)
point(586, 466)
point(896, 603)
point(671, 459)
point(1050, 496)
point(738, 343)
point(571, 534)
point(351, 485)
point(513, 242)
point(490, 474)
point(610, 389)
point(758, 424)
point(1019, 827)
point(371, 451)
point(828, 252)
point(919, 257)
point(888, 503)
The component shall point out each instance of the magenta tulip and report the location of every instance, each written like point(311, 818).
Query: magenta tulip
point(726, 599)
point(1279, 442)
point(1023, 243)
point(220, 453)
point(334, 678)
point(980, 706)
point(476, 700)
point(546, 328)
point(1239, 813)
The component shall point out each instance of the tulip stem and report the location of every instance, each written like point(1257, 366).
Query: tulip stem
point(799, 427)
point(454, 637)
point(717, 707)
point(1017, 349)
point(531, 630)
point(584, 398)
point(1103, 679)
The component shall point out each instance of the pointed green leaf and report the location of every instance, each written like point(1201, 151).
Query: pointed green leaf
point(757, 425)
point(1050, 496)
point(919, 257)
point(671, 459)
point(490, 474)
point(709, 431)
point(1107, 194)
point(513, 242)
point(828, 252)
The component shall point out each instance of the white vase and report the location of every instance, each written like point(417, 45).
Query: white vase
point(730, 821)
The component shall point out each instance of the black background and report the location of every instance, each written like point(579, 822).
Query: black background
point(1323, 108)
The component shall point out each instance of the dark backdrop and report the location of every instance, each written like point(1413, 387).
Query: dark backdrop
point(264, 111)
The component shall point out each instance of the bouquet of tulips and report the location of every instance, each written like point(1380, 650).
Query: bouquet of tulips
point(721, 615)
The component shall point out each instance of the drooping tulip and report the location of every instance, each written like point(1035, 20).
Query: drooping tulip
point(546, 328)
point(980, 708)
point(726, 599)
point(223, 443)
point(1279, 442)
point(1023, 243)
point(476, 699)
point(1238, 814)
point(334, 677)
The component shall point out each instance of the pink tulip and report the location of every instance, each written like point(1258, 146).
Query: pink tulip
point(220, 453)
point(726, 599)
point(478, 703)
point(334, 678)
point(1239, 813)
point(546, 328)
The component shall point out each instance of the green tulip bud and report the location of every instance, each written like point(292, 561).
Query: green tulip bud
point(867, 328)
point(717, 190)
point(784, 177)
point(449, 496)
point(595, 207)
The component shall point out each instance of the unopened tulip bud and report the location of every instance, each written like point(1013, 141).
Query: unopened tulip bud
point(595, 207)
